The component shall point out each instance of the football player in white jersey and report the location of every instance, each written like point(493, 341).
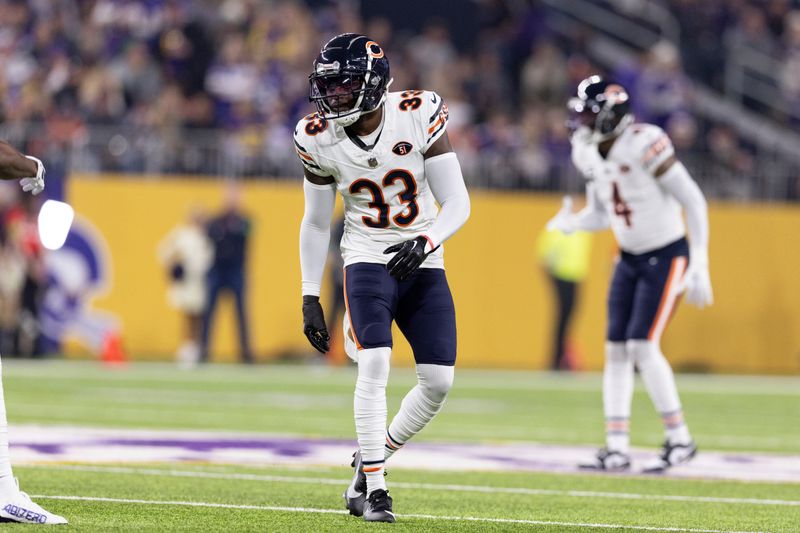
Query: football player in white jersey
point(636, 185)
point(15, 505)
point(389, 157)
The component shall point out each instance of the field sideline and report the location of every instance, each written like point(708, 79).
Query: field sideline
point(261, 486)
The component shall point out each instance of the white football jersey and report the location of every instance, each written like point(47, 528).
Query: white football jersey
point(644, 216)
point(387, 199)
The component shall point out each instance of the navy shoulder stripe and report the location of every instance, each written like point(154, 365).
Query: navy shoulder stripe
point(440, 128)
point(309, 164)
point(300, 147)
point(438, 110)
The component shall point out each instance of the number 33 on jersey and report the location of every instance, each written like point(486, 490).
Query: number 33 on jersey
point(381, 177)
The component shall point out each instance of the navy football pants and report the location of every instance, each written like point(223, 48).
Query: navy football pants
point(421, 305)
point(643, 292)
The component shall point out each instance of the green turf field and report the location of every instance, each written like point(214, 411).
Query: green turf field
point(735, 414)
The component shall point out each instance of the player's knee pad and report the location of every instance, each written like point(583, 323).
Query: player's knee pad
point(373, 364)
point(373, 336)
point(435, 381)
point(616, 352)
point(643, 351)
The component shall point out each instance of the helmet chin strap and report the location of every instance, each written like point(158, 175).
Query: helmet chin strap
point(347, 120)
point(625, 121)
point(352, 118)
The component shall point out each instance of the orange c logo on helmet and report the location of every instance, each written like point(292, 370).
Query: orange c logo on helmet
point(374, 50)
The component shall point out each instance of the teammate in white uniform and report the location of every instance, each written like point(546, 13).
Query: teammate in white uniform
point(389, 157)
point(635, 185)
point(15, 505)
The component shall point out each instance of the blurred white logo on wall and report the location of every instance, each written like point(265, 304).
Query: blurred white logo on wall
point(55, 219)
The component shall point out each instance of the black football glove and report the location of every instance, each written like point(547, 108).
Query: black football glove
point(409, 256)
point(314, 324)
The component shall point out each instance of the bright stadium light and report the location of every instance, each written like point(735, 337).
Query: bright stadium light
point(55, 219)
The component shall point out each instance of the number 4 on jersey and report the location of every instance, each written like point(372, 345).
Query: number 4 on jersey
point(621, 209)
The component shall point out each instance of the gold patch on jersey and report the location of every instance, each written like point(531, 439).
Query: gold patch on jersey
point(402, 148)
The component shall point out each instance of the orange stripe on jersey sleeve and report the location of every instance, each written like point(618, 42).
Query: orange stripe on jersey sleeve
point(661, 144)
point(303, 155)
point(435, 125)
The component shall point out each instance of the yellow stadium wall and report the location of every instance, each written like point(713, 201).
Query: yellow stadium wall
point(503, 301)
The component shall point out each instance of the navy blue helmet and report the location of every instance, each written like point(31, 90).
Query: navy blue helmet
point(350, 78)
point(600, 105)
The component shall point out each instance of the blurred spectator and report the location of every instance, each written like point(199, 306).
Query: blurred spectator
point(544, 76)
point(683, 129)
point(533, 159)
point(229, 233)
point(21, 292)
point(432, 53)
point(12, 264)
point(184, 48)
point(233, 78)
point(565, 259)
point(29, 339)
point(790, 75)
point(186, 253)
point(661, 89)
point(702, 23)
point(730, 166)
point(751, 31)
point(138, 74)
point(490, 91)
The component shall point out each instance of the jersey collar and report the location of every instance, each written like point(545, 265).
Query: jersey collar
point(360, 143)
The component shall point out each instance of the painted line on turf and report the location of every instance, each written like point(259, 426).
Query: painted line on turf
point(530, 381)
point(118, 446)
point(343, 512)
point(424, 486)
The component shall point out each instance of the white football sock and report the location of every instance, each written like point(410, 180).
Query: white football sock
point(617, 396)
point(420, 405)
point(369, 406)
point(660, 384)
point(7, 482)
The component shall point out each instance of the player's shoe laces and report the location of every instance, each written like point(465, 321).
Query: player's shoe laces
point(671, 455)
point(379, 507)
point(356, 494)
point(17, 506)
point(608, 461)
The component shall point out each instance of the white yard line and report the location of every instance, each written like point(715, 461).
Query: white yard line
point(424, 486)
point(341, 512)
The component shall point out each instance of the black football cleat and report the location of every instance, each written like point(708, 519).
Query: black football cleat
point(379, 507)
point(608, 461)
point(356, 494)
point(671, 455)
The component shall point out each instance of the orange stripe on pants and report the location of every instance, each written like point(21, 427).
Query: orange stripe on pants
point(347, 310)
point(668, 298)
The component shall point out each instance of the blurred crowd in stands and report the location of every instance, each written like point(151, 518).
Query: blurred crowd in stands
point(216, 87)
point(23, 274)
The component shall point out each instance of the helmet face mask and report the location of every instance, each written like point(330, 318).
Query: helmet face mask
point(580, 114)
point(350, 78)
point(336, 93)
point(601, 106)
